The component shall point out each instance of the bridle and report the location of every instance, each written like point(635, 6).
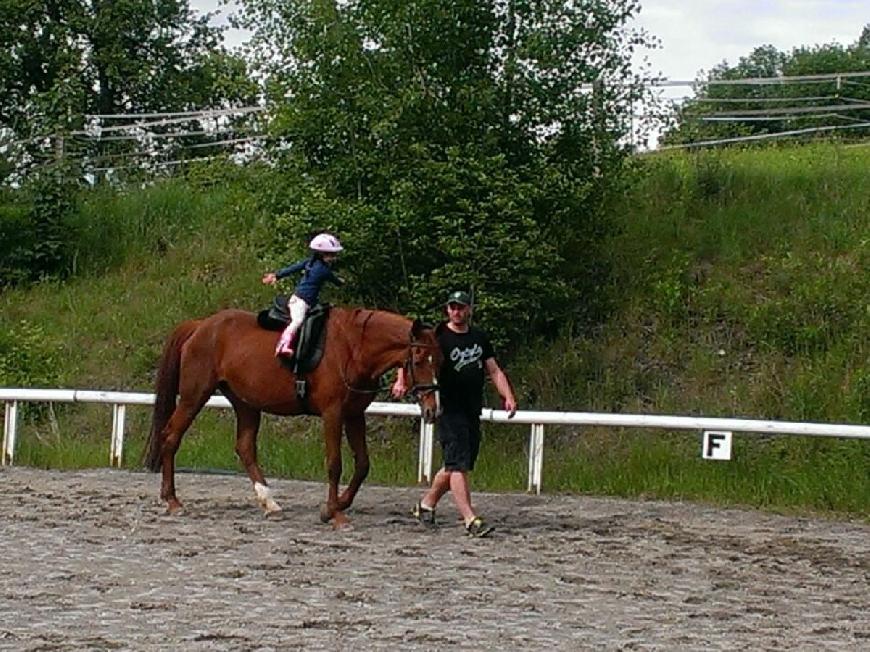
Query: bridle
point(419, 390)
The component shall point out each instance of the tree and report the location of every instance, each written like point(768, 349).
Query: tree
point(726, 111)
point(63, 59)
point(452, 143)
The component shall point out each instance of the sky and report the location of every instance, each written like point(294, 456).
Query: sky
point(698, 34)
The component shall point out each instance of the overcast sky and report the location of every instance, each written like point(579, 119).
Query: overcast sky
point(698, 34)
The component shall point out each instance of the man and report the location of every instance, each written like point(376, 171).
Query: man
point(467, 353)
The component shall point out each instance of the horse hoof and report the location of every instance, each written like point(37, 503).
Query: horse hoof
point(274, 513)
point(175, 510)
point(325, 513)
point(340, 522)
point(271, 507)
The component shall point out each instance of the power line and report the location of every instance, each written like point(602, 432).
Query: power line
point(763, 81)
point(792, 110)
point(96, 131)
point(740, 100)
point(174, 114)
point(150, 135)
point(155, 164)
point(779, 134)
point(231, 141)
point(772, 118)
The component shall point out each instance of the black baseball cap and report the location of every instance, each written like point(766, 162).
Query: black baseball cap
point(459, 297)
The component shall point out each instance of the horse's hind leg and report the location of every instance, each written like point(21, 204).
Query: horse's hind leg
point(355, 429)
point(247, 427)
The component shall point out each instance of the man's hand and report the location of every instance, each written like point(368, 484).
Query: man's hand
point(510, 406)
point(270, 278)
point(399, 388)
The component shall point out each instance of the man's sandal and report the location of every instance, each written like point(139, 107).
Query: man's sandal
point(478, 528)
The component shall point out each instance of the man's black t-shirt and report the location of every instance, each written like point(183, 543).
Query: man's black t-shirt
point(462, 374)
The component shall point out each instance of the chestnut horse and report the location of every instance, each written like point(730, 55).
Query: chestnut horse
point(230, 352)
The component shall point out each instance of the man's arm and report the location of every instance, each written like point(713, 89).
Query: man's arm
point(400, 387)
point(503, 385)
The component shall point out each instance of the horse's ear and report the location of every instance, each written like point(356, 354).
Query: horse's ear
point(418, 327)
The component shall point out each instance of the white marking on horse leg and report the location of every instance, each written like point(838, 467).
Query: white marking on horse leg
point(264, 496)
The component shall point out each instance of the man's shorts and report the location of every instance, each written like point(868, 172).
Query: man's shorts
point(459, 434)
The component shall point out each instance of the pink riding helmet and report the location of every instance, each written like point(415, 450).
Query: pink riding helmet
point(325, 243)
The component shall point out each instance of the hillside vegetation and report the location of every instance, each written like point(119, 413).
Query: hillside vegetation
point(737, 284)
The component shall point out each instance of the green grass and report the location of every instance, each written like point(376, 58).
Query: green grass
point(740, 289)
point(783, 473)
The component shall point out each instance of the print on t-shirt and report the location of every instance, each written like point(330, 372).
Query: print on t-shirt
point(462, 374)
point(462, 357)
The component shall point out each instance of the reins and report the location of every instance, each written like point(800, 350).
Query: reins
point(418, 390)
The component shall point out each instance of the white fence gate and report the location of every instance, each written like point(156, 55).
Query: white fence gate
point(537, 420)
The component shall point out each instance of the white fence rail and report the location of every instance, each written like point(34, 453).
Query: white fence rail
point(537, 420)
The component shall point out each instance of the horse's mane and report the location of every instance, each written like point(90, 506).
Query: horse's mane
point(368, 317)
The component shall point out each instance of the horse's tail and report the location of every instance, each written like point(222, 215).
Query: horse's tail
point(166, 389)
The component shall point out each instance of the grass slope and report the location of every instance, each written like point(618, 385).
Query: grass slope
point(739, 283)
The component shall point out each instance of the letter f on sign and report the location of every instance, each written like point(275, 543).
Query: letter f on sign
point(716, 445)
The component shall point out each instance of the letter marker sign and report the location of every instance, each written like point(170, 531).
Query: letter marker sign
point(716, 445)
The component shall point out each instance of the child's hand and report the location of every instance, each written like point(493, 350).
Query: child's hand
point(270, 278)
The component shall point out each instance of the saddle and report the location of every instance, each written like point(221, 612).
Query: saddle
point(311, 339)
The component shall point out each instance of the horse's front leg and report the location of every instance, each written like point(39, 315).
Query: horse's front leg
point(355, 429)
point(330, 511)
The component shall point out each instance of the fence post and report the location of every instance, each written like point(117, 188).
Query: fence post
point(424, 458)
point(116, 454)
point(10, 421)
point(536, 457)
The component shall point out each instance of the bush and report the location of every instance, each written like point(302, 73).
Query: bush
point(27, 359)
point(36, 237)
point(16, 242)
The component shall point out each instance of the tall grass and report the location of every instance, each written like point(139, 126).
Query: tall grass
point(147, 260)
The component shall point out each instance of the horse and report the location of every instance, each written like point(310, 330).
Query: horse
point(230, 352)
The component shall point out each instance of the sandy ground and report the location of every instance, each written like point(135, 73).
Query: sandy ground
point(90, 561)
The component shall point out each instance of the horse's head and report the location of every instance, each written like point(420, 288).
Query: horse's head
point(421, 370)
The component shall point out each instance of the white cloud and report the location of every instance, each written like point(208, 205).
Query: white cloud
point(699, 35)
point(233, 37)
